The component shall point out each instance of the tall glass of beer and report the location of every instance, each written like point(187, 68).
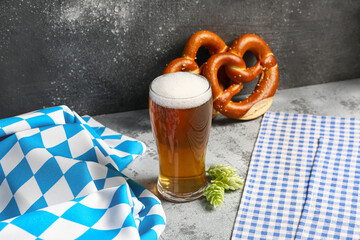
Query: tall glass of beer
point(180, 107)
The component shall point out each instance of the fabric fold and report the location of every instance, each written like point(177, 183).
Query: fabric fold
point(60, 179)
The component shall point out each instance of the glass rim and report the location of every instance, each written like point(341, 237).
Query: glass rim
point(180, 98)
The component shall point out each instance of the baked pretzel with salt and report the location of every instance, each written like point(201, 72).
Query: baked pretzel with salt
point(223, 91)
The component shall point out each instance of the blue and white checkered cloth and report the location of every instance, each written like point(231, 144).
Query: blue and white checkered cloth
point(60, 179)
point(332, 206)
point(285, 172)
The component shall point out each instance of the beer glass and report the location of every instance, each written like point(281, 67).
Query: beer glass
point(180, 107)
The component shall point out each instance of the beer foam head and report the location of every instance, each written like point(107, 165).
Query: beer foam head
point(180, 90)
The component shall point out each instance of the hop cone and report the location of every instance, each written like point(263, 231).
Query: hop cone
point(220, 170)
point(229, 183)
point(214, 194)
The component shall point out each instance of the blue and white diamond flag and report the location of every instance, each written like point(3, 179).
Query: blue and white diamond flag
point(60, 179)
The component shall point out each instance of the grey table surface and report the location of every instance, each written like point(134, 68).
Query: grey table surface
point(231, 142)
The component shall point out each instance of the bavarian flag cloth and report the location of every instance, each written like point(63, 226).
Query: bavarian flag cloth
point(60, 179)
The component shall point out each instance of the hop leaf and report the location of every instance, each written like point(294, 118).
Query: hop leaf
point(214, 194)
point(220, 170)
point(229, 183)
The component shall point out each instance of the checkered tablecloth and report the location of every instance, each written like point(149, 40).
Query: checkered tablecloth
point(332, 205)
point(287, 172)
point(60, 179)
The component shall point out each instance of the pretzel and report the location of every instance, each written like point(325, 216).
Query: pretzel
point(227, 72)
point(262, 97)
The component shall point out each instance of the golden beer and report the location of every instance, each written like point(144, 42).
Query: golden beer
point(181, 120)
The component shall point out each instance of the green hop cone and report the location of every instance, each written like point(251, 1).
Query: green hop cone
point(224, 177)
point(220, 170)
point(229, 183)
point(214, 194)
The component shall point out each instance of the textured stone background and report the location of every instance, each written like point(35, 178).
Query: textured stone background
point(99, 56)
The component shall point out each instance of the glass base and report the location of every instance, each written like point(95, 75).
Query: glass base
point(184, 197)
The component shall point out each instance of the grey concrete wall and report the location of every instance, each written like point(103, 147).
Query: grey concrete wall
point(99, 56)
